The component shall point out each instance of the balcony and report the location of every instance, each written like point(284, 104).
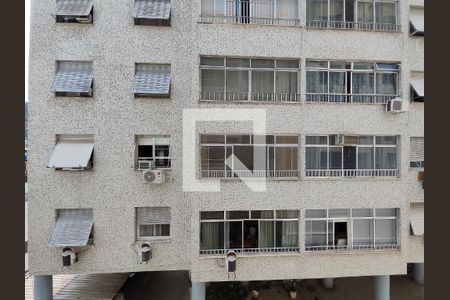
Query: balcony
point(349, 98)
point(354, 247)
point(249, 174)
point(249, 97)
point(249, 251)
point(353, 173)
point(282, 12)
point(353, 25)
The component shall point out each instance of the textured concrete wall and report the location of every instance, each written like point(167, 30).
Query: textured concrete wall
point(114, 188)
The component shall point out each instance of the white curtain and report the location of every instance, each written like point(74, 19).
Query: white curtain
point(317, 10)
point(289, 235)
point(385, 12)
point(286, 82)
point(317, 81)
point(386, 158)
point(336, 10)
point(363, 232)
point(210, 236)
point(266, 234)
point(262, 82)
point(316, 158)
point(386, 83)
point(365, 11)
point(365, 158)
point(385, 231)
point(287, 9)
point(362, 83)
point(337, 83)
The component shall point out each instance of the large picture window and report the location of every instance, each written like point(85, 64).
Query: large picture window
point(257, 231)
point(351, 155)
point(249, 79)
point(351, 82)
point(248, 156)
point(353, 14)
point(347, 229)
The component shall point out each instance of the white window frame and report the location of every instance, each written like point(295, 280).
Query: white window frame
point(155, 143)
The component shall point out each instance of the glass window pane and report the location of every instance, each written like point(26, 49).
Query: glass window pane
point(213, 80)
point(238, 139)
point(337, 83)
point(336, 10)
point(212, 158)
point(316, 158)
point(362, 66)
point(339, 213)
point(316, 213)
point(316, 140)
point(266, 234)
point(287, 233)
point(386, 158)
point(233, 235)
point(211, 61)
point(146, 230)
point(211, 215)
point(145, 151)
point(286, 158)
point(238, 62)
point(263, 139)
point(386, 83)
point(365, 11)
point(317, 82)
point(287, 214)
point(286, 82)
point(362, 83)
point(386, 212)
point(363, 232)
point(238, 214)
point(385, 13)
point(389, 67)
point(212, 139)
point(262, 214)
point(335, 157)
point(263, 63)
point(362, 212)
point(317, 10)
point(245, 155)
point(365, 158)
point(287, 139)
point(287, 64)
point(211, 235)
point(385, 231)
point(262, 82)
point(339, 65)
point(386, 140)
point(237, 83)
point(317, 64)
point(365, 140)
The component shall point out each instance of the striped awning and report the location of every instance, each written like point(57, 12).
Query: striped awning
point(152, 215)
point(152, 9)
point(152, 79)
point(417, 215)
point(73, 76)
point(73, 8)
point(72, 152)
point(72, 228)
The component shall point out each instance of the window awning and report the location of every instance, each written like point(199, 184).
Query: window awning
point(417, 213)
point(153, 215)
point(73, 77)
point(152, 9)
point(416, 17)
point(73, 8)
point(418, 86)
point(72, 152)
point(417, 145)
point(72, 228)
point(152, 80)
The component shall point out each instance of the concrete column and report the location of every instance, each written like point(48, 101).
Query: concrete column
point(43, 287)
point(419, 273)
point(198, 291)
point(328, 283)
point(381, 287)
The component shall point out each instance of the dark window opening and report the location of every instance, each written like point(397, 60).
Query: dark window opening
point(349, 157)
point(340, 233)
point(89, 19)
point(250, 234)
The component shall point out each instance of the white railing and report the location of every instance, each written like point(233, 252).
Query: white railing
point(249, 97)
point(353, 25)
point(353, 173)
point(251, 250)
point(349, 98)
point(353, 247)
point(248, 173)
point(251, 12)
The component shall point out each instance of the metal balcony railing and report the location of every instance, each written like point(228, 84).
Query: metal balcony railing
point(249, 174)
point(251, 250)
point(353, 25)
point(353, 173)
point(386, 246)
point(349, 98)
point(249, 97)
point(251, 12)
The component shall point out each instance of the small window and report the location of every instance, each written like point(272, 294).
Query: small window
point(73, 79)
point(74, 11)
point(152, 80)
point(153, 152)
point(238, 214)
point(152, 12)
point(152, 222)
point(211, 215)
point(73, 152)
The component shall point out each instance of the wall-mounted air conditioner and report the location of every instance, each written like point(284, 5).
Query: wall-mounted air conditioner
point(154, 176)
point(144, 253)
point(397, 105)
point(69, 257)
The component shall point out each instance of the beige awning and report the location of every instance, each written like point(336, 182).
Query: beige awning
point(416, 17)
point(418, 84)
point(417, 216)
point(75, 8)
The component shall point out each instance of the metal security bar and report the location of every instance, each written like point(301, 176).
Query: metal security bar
point(354, 25)
point(348, 98)
point(251, 250)
point(251, 12)
point(354, 247)
point(249, 97)
point(353, 173)
point(249, 174)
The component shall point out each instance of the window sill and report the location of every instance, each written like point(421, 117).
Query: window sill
point(206, 101)
point(351, 252)
point(256, 179)
point(351, 27)
point(348, 178)
point(250, 255)
point(154, 240)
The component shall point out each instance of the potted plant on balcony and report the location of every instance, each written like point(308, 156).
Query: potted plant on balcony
point(292, 287)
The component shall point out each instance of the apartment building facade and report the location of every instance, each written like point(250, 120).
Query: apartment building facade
point(340, 85)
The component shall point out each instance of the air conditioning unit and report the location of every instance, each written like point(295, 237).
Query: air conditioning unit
point(84, 19)
point(145, 165)
point(69, 257)
point(154, 176)
point(145, 253)
point(397, 105)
